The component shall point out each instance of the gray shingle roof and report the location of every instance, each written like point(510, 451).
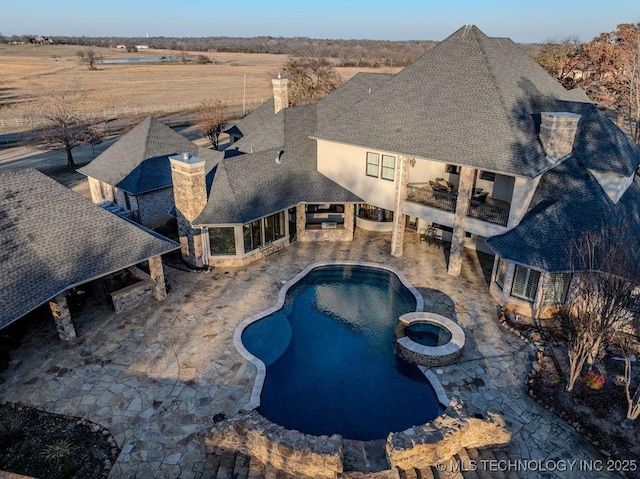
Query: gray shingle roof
point(138, 162)
point(567, 202)
point(470, 100)
point(51, 239)
point(247, 186)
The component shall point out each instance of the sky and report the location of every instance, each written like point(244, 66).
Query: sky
point(527, 21)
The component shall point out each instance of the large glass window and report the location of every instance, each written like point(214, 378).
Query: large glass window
point(252, 235)
point(274, 227)
point(388, 167)
point(525, 283)
point(222, 241)
point(556, 291)
point(501, 272)
point(373, 164)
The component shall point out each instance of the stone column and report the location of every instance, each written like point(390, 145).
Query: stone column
point(62, 317)
point(465, 191)
point(301, 221)
point(190, 197)
point(399, 220)
point(280, 93)
point(158, 287)
point(349, 220)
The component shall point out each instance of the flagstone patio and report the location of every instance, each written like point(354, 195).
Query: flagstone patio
point(155, 376)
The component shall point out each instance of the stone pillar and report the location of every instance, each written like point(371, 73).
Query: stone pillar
point(190, 197)
point(465, 191)
point(280, 93)
point(62, 317)
point(399, 220)
point(349, 220)
point(508, 282)
point(158, 287)
point(301, 221)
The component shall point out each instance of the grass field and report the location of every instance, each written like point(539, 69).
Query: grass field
point(31, 72)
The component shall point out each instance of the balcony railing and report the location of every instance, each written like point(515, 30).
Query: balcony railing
point(437, 199)
point(492, 213)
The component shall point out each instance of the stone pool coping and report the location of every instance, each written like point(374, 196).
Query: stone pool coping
point(421, 354)
point(254, 401)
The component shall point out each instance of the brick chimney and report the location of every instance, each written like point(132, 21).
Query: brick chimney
point(280, 93)
point(190, 197)
point(557, 133)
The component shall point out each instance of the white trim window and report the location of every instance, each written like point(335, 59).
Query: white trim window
point(501, 272)
point(556, 289)
point(388, 167)
point(525, 283)
point(373, 164)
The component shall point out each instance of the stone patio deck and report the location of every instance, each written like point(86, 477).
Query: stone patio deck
point(156, 376)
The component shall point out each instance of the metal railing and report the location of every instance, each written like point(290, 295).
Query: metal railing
point(447, 202)
point(487, 212)
point(437, 199)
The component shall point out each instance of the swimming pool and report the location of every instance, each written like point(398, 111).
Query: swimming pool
point(329, 357)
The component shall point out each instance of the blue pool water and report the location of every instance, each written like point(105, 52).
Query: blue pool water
point(331, 367)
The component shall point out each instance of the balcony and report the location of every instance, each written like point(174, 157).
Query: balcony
point(490, 210)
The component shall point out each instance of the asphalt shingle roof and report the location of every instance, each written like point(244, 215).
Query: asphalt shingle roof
point(139, 161)
point(52, 239)
point(568, 201)
point(471, 100)
point(248, 186)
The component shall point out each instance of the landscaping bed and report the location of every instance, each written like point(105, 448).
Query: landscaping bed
point(598, 414)
point(44, 445)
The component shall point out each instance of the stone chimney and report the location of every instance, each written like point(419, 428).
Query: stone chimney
point(190, 198)
point(280, 93)
point(557, 133)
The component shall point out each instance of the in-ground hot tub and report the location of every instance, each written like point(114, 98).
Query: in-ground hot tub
point(428, 339)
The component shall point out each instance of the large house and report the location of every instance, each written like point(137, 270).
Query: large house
point(474, 143)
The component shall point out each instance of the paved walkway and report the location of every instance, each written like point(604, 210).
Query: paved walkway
point(157, 375)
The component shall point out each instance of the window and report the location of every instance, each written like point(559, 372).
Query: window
point(525, 283)
point(222, 241)
point(556, 291)
point(274, 227)
point(501, 271)
point(452, 169)
point(252, 235)
point(488, 176)
point(388, 167)
point(373, 164)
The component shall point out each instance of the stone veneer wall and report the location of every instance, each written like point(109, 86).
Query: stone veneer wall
point(134, 294)
point(292, 452)
point(423, 446)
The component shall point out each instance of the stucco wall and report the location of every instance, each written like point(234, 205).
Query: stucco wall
point(346, 165)
point(523, 190)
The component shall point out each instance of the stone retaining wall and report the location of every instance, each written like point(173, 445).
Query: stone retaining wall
point(423, 446)
point(301, 455)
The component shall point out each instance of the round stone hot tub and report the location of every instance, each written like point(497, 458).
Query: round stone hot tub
point(428, 339)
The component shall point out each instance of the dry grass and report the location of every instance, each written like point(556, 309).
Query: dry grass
point(30, 72)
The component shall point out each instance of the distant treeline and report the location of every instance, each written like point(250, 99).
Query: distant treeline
point(356, 53)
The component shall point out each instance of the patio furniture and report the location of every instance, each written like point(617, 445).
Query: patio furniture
point(448, 187)
point(431, 236)
point(480, 197)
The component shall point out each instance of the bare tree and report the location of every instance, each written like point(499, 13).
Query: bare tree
point(628, 344)
point(213, 116)
point(605, 274)
point(310, 79)
point(65, 124)
point(563, 60)
point(89, 58)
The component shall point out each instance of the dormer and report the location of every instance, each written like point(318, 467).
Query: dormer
point(614, 185)
point(557, 134)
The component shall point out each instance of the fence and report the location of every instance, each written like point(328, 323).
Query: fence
point(110, 113)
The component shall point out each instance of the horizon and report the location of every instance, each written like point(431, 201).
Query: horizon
point(410, 20)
